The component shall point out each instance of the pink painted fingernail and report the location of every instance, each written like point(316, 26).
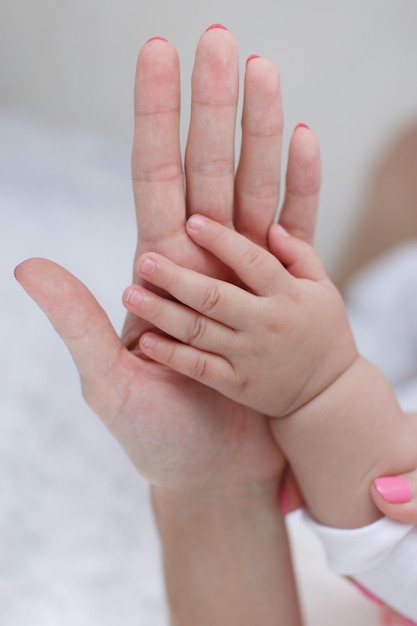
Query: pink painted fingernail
point(196, 222)
point(394, 489)
point(213, 26)
point(301, 125)
point(155, 39)
point(250, 58)
point(147, 266)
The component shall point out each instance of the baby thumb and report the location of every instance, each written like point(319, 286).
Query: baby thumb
point(300, 259)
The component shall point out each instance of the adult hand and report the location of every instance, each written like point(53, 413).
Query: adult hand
point(179, 433)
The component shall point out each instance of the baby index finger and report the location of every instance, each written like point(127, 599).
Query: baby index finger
point(259, 270)
point(179, 321)
point(216, 299)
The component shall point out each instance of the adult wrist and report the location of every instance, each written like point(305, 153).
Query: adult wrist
point(226, 556)
point(223, 501)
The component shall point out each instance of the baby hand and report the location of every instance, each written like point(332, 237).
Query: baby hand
point(273, 344)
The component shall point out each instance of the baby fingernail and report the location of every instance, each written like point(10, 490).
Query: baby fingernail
point(394, 489)
point(283, 231)
point(196, 222)
point(147, 266)
point(133, 296)
point(148, 341)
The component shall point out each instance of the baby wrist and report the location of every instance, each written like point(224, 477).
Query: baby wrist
point(343, 439)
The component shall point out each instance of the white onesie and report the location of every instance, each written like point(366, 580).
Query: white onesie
point(382, 557)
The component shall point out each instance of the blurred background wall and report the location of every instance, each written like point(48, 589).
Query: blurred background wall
point(348, 70)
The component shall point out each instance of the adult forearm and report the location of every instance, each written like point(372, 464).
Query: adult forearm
point(226, 557)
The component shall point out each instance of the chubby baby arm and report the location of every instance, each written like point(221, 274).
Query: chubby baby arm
point(281, 344)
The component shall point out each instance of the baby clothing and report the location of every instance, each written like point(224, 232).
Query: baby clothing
point(381, 558)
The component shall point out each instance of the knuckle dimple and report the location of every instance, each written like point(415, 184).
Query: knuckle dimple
point(251, 256)
point(157, 309)
point(198, 330)
point(170, 355)
point(210, 299)
point(242, 386)
point(199, 368)
point(169, 279)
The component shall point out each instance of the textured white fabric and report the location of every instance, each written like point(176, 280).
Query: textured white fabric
point(382, 557)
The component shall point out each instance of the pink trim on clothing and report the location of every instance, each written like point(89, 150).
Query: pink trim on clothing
point(388, 617)
point(367, 593)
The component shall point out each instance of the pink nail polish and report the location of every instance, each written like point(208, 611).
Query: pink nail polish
point(301, 126)
point(213, 26)
point(394, 489)
point(250, 58)
point(156, 38)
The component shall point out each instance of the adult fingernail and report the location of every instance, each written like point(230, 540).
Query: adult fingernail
point(196, 222)
point(394, 489)
point(301, 125)
point(251, 57)
point(156, 38)
point(213, 26)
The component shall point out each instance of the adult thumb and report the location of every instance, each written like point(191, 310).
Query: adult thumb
point(81, 323)
point(396, 496)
